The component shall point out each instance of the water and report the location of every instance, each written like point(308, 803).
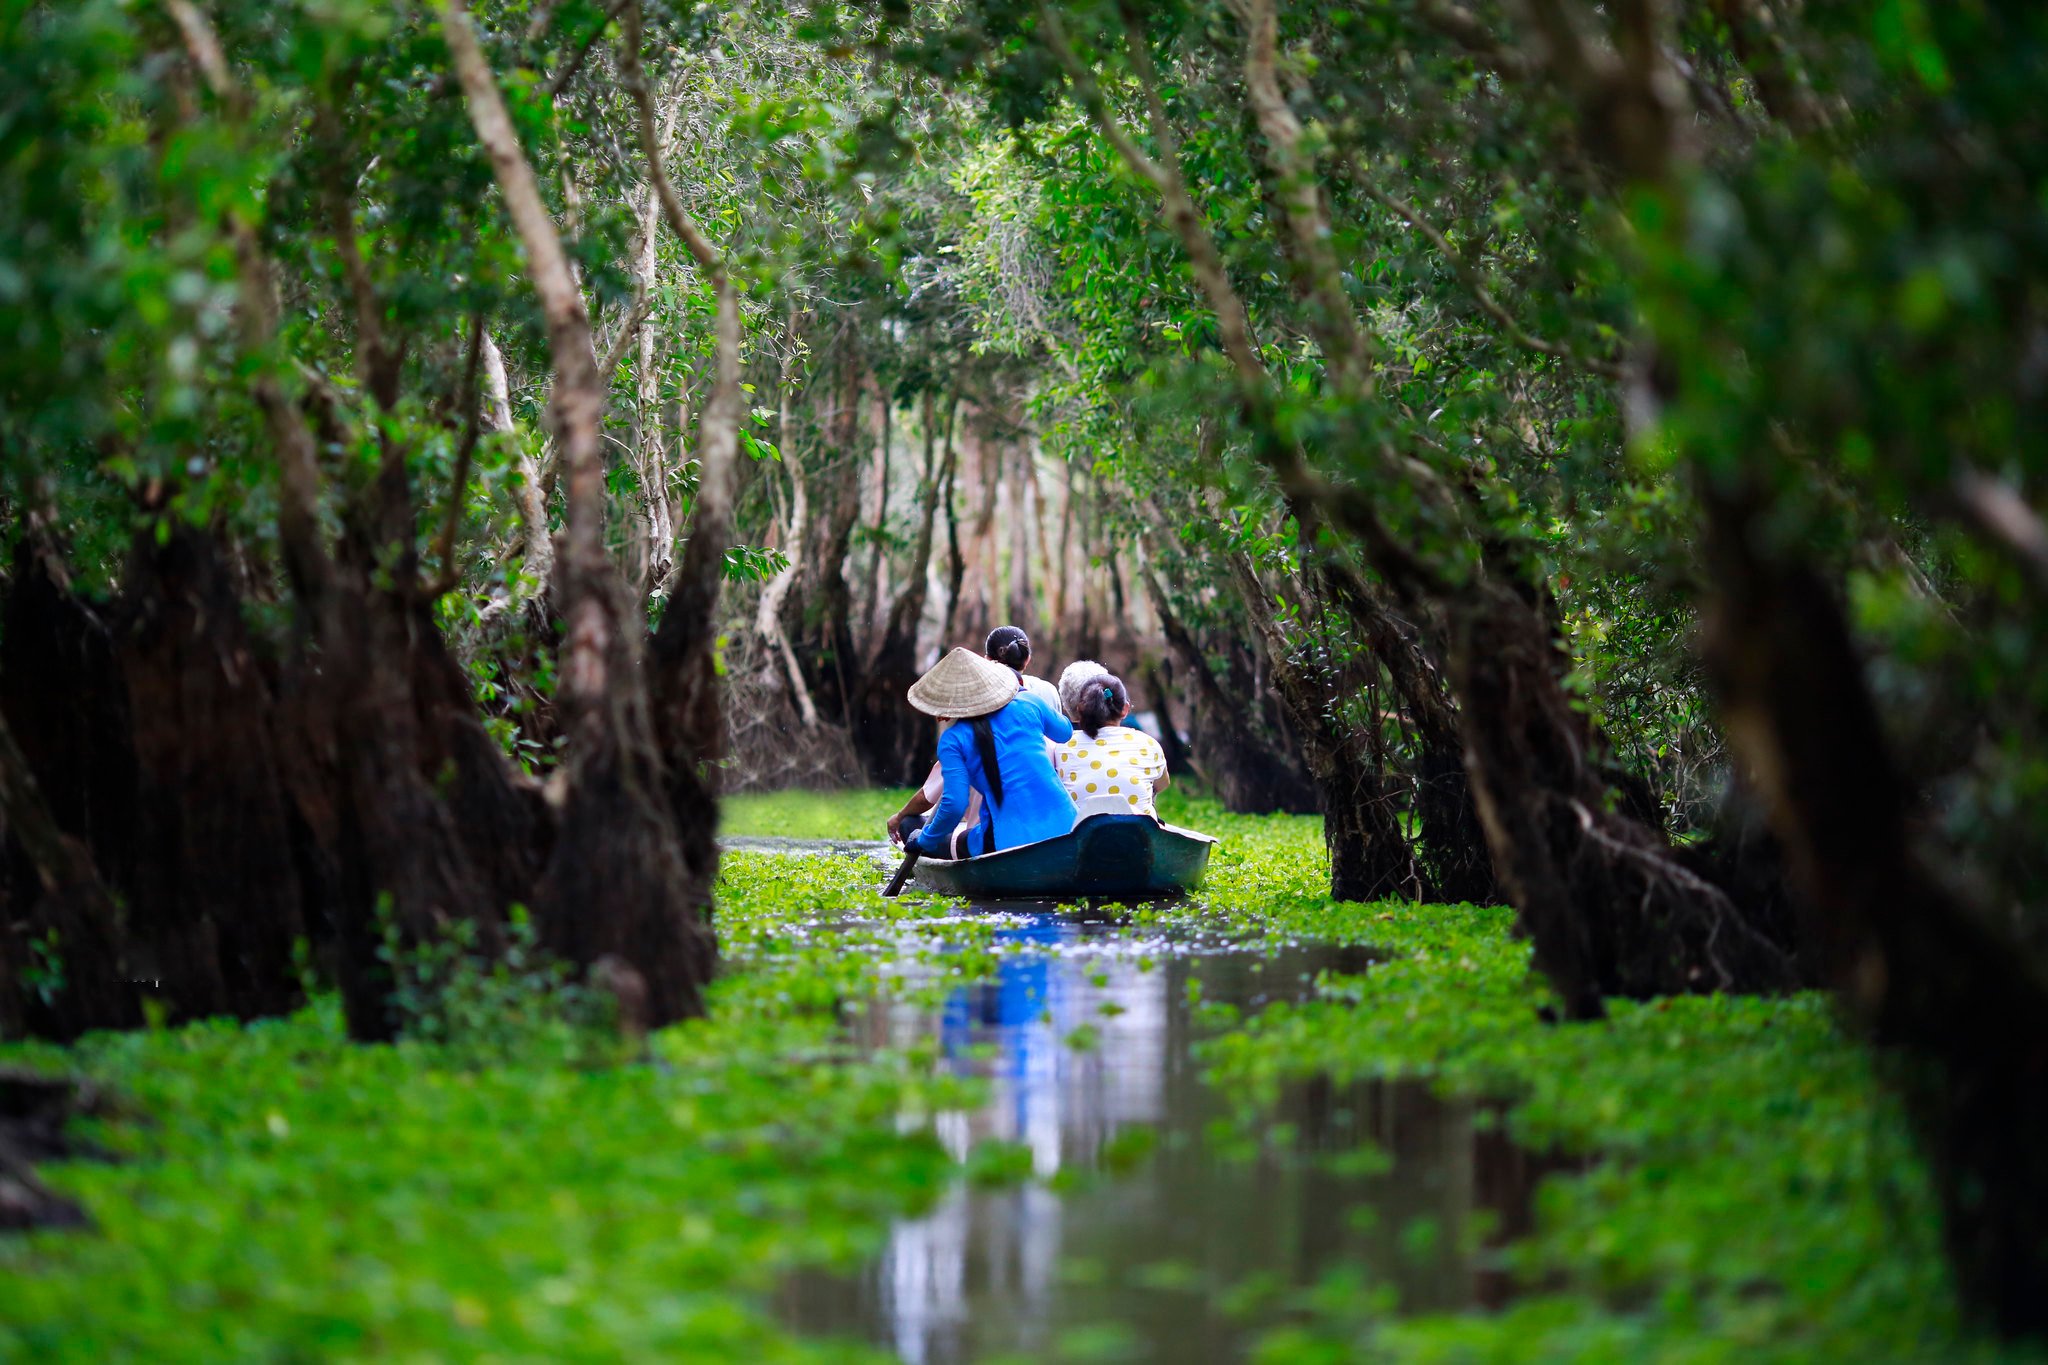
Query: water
point(1139, 1238)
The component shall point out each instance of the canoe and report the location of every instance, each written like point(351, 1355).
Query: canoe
point(1103, 855)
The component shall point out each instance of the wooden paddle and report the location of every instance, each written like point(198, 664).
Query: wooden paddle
point(895, 886)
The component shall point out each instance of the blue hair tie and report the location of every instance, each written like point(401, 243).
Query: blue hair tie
point(1109, 694)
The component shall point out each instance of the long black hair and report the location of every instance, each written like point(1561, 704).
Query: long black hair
point(1009, 646)
point(1103, 703)
point(985, 745)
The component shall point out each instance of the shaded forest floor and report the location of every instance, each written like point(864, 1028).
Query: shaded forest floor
point(510, 1190)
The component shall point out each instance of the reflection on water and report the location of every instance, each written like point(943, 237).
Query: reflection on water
point(1179, 1255)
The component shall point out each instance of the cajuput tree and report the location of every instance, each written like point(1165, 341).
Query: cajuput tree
point(1405, 469)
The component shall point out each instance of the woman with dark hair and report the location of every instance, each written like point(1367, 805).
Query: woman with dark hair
point(1010, 647)
point(995, 748)
point(1106, 766)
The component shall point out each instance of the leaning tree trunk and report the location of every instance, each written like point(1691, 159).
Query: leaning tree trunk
point(1959, 1009)
point(618, 883)
point(688, 720)
point(1612, 909)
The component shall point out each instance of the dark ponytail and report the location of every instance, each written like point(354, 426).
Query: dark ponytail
point(985, 745)
point(1103, 703)
point(1009, 646)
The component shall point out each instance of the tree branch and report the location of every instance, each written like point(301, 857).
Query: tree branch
point(1476, 286)
point(578, 399)
point(448, 575)
point(298, 515)
point(582, 52)
point(1346, 347)
point(376, 369)
point(1188, 222)
point(1997, 510)
point(1466, 29)
point(689, 622)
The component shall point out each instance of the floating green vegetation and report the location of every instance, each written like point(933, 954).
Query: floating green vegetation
point(284, 1194)
point(1750, 1191)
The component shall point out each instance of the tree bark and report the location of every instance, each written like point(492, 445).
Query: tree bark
point(894, 743)
point(1251, 775)
point(66, 968)
point(1959, 1011)
point(619, 881)
point(1370, 858)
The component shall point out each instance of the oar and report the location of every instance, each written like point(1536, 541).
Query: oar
point(895, 886)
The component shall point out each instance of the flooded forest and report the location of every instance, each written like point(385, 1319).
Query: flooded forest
point(540, 540)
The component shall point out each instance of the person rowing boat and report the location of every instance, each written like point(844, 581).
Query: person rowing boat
point(996, 747)
point(1010, 647)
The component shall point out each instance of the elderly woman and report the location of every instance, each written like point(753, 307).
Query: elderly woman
point(1106, 766)
point(996, 748)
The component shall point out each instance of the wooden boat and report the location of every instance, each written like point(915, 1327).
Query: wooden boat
point(1103, 855)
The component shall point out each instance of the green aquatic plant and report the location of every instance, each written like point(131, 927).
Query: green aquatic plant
point(1742, 1188)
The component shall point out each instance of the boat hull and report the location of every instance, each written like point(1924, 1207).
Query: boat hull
point(1103, 855)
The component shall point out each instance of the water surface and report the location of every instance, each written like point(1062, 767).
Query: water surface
point(1152, 1230)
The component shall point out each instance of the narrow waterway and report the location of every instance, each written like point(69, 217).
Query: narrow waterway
point(1151, 1229)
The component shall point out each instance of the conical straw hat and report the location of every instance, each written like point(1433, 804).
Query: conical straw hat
point(963, 684)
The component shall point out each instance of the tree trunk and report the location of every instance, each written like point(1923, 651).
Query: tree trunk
point(1369, 855)
point(216, 890)
point(537, 542)
point(1021, 608)
point(1251, 775)
point(618, 882)
point(62, 942)
point(972, 622)
point(894, 742)
point(1958, 1009)
point(956, 562)
point(1177, 755)
point(1451, 840)
point(878, 541)
point(1612, 909)
point(823, 631)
